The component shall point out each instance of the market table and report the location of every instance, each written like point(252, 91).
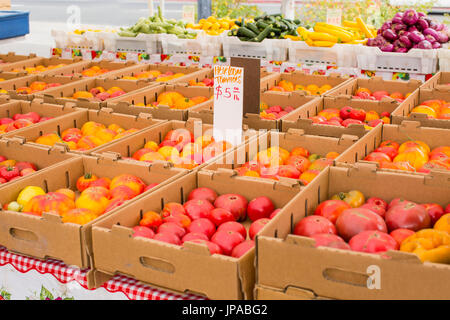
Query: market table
point(25, 278)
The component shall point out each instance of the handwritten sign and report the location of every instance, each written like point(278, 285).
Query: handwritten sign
point(334, 16)
point(228, 103)
point(188, 14)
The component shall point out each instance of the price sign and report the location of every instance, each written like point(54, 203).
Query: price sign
point(188, 14)
point(228, 103)
point(334, 16)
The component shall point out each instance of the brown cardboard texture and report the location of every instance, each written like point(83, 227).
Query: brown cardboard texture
point(132, 104)
point(300, 117)
point(47, 236)
point(188, 268)
point(291, 293)
point(254, 121)
point(75, 70)
point(39, 61)
point(13, 107)
point(407, 131)
point(12, 75)
point(128, 146)
point(300, 78)
point(287, 140)
point(344, 274)
point(11, 57)
point(439, 81)
point(63, 94)
point(77, 118)
point(403, 112)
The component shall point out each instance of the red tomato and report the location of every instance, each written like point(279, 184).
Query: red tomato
point(172, 227)
point(234, 203)
point(257, 226)
point(407, 216)
point(219, 216)
point(378, 202)
point(167, 237)
point(194, 236)
point(356, 220)
point(242, 248)
point(274, 213)
point(140, 231)
point(227, 240)
point(390, 143)
point(233, 226)
point(213, 248)
point(260, 207)
point(391, 152)
point(377, 209)
point(358, 114)
point(314, 224)
point(434, 210)
point(397, 201)
point(202, 225)
point(401, 234)
point(373, 241)
point(331, 209)
point(203, 194)
point(330, 240)
point(447, 208)
point(198, 208)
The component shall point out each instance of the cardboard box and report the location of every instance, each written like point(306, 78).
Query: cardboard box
point(12, 107)
point(127, 103)
point(188, 268)
point(291, 293)
point(128, 146)
point(440, 81)
point(62, 95)
point(299, 118)
point(190, 72)
point(77, 118)
point(13, 84)
point(403, 112)
point(376, 84)
point(286, 140)
point(11, 57)
point(11, 75)
point(344, 274)
point(254, 121)
point(39, 61)
point(75, 70)
point(298, 77)
point(406, 131)
point(47, 236)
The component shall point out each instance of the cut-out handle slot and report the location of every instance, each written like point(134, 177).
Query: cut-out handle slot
point(345, 276)
point(23, 234)
point(157, 264)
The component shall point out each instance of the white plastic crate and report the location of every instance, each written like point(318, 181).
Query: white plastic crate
point(88, 40)
point(142, 43)
point(341, 55)
point(203, 45)
point(444, 59)
point(269, 49)
point(414, 61)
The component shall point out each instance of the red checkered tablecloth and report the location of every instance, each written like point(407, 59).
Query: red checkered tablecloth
point(132, 289)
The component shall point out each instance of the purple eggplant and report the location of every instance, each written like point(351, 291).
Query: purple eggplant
point(412, 28)
point(410, 17)
point(388, 47)
point(430, 39)
point(386, 25)
point(399, 27)
point(404, 40)
point(425, 44)
point(403, 33)
point(371, 42)
point(433, 24)
point(389, 34)
point(436, 45)
point(416, 37)
point(422, 24)
point(431, 32)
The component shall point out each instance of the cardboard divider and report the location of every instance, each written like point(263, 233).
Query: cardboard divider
point(299, 118)
point(406, 131)
point(13, 107)
point(440, 81)
point(129, 145)
point(79, 117)
point(11, 75)
point(287, 140)
point(403, 112)
point(68, 242)
point(62, 95)
point(298, 77)
point(188, 268)
point(11, 57)
point(31, 63)
point(344, 274)
point(290, 293)
point(75, 70)
point(127, 103)
point(254, 121)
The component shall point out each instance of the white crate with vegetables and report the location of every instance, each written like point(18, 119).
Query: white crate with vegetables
point(202, 45)
point(78, 39)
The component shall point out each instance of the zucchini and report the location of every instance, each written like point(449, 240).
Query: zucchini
point(263, 34)
point(238, 23)
point(244, 39)
point(244, 32)
point(252, 27)
point(261, 24)
point(297, 21)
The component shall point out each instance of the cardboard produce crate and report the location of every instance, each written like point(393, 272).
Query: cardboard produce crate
point(376, 84)
point(75, 70)
point(13, 84)
point(403, 112)
point(291, 293)
point(11, 57)
point(78, 118)
point(299, 118)
point(440, 81)
point(254, 121)
point(298, 77)
point(64, 94)
point(39, 61)
point(188, 268)
point(126, 147)
point(127, 103)
point(190, 72)
point(12, 107)
point(47, 236)
point(344, 274)
point(287, 140)
point(406, 131)
point(11, 75)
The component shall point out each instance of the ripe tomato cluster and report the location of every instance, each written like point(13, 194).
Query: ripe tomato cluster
point(347, 115)
point(11, 169)
point(20, 120)
point(210, 219)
